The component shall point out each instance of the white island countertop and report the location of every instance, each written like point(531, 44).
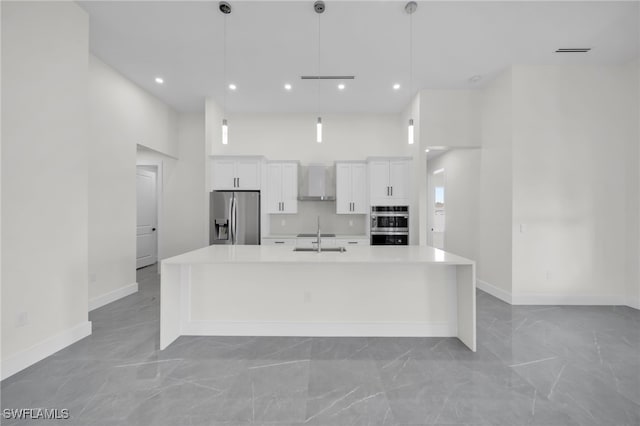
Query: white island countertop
point(266, 290)
point(362, 254)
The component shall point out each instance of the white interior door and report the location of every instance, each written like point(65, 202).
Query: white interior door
point(147, 216)
point(437, 200)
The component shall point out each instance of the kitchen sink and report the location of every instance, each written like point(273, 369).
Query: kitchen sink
point(332, 249)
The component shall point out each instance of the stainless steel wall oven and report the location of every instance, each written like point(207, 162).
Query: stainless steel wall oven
point(389, 225)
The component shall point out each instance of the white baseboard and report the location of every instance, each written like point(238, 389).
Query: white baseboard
point(320, 329)
point(38, 352)
point(567, 299)
point(634, 303)
point(501, 294)
point(112, 296)
point(553, 298)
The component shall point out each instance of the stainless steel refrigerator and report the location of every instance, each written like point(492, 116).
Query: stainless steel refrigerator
point(234, 217)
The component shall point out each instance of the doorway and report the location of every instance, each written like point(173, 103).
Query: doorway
point(437, 207)
point(146, 215)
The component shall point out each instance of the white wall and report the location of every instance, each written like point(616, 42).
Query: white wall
point(571, 136)
point(450, 118)
point(495, 210)
point(121, 115)
point(462, 188)
point(292, 137)
point(633, 290)
point(185, 207)
point(44, 179)
point(633, 188)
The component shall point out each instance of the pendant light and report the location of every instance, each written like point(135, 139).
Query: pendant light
point(410, 8)
point(225, 8)
point(319, 7)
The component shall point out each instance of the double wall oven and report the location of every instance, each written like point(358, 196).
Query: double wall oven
point(389, 225)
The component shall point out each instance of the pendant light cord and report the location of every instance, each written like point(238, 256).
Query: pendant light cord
point(410, 58)
point(319, 34)
point(224, 66)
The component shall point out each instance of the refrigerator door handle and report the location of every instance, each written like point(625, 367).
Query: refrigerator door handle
point(231, 219)
point(235, 219)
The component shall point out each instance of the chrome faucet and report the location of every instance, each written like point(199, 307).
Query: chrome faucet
point(319, 239)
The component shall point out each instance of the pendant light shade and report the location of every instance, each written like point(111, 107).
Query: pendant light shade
point(319, 130)
point(410, 132)
point(225, 132)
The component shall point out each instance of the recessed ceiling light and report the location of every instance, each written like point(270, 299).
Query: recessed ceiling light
point(475, 78)
point(287, 86)
point(159, 80)
point(341, 86)
point(396, 86)
point(232, 86)
point(426, 150)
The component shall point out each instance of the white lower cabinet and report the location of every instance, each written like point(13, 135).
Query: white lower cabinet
point(305, 242)
point(279, 242)
point(350, 242)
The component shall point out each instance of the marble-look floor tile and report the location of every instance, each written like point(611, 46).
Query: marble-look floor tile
point(347, 391)
point(535, 366)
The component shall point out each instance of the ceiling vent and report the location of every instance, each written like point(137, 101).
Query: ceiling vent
point(574, 50)
point(327, 77)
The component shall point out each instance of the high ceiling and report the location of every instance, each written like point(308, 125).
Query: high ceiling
point(273, 43)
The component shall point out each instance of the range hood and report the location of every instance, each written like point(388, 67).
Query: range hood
point(315, 184)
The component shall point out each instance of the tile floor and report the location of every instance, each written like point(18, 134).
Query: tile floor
point(535, 366)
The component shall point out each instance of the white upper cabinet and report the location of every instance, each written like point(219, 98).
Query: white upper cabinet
point(379, 182)
point(389, 182)
point(399, 179)
point(282, 187)
point(351, 188)
point(229, 173)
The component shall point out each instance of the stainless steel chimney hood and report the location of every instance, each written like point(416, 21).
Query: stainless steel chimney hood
point(314, 187)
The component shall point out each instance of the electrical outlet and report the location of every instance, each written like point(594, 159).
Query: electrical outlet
point(92, 278)
point(22, 319)
point(523, 228)
point(351, 223)
point(283, 222)
point(307, 297)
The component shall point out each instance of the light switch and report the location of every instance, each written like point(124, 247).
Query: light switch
point(523, 228)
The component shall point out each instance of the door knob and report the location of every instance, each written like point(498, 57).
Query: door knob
point(153, 229)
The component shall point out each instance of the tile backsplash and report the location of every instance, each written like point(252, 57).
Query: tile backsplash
point(306, 220)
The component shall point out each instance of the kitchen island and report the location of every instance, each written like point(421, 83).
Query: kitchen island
point(416, 291)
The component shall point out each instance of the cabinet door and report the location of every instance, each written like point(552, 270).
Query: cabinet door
point(359, 189)
point(223, 174)
point(248, 174)
point(279, 242)
point(274, 188)
point(379, 181)
point(343, 188)
point(399, 180)
point(290, 188)
point(350, 242)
